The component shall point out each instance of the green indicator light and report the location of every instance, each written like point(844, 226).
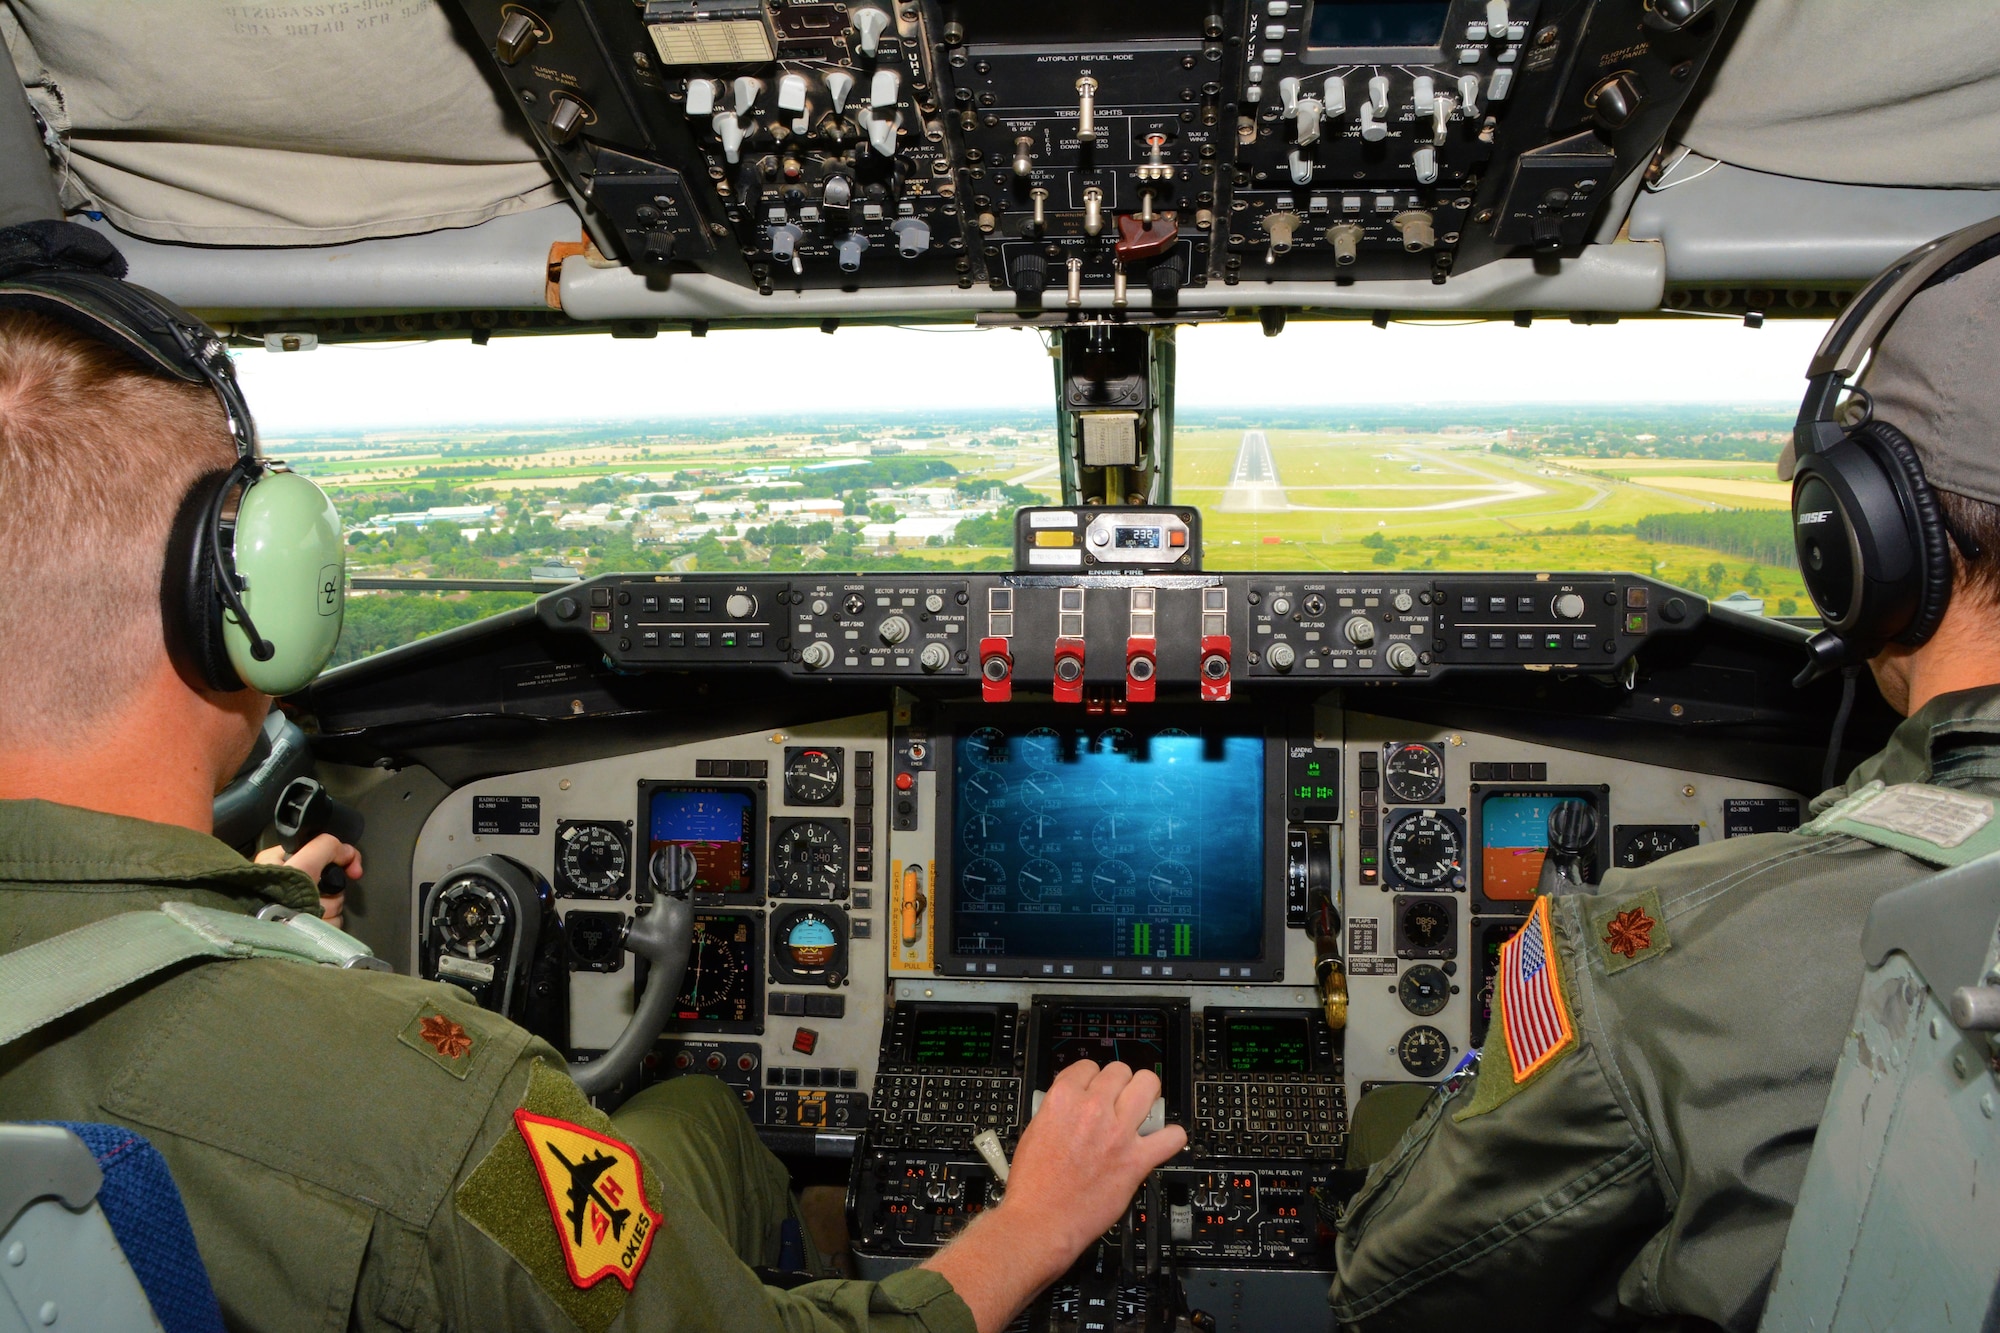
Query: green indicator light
point(1142, 939)
point(1183, 941)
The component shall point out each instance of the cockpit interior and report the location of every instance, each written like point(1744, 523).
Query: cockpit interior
point(885, 851)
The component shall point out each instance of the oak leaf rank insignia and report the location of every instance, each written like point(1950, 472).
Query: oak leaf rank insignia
point(595, 1188)
point(1627, 931)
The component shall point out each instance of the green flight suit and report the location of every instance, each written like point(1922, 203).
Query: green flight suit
point(1647, 1174)
point(346, 1142)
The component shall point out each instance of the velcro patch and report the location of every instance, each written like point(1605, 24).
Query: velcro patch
point(1936, 825)
point(1629, 930)
point(440, 1038)
point(597, 1197)
point(508, 1197)
point(1531, 1019)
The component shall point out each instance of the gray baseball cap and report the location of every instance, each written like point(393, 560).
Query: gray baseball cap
point(1935, 376)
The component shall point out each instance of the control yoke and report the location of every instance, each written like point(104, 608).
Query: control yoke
point(663, 938)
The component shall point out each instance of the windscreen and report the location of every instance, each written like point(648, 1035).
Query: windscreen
point(1108, 843)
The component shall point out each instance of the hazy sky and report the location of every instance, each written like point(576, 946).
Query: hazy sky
point(749, 372)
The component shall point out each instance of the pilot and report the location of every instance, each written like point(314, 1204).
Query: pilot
point(358, 1149)
point(1628, 1148)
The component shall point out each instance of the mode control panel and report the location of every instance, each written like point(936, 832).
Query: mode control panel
point(1086, 635)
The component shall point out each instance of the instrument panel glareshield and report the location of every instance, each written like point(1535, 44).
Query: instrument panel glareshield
point(1114, 848)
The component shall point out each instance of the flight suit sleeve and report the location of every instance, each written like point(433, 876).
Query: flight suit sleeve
point(531, 1239)
point(1512, 1209)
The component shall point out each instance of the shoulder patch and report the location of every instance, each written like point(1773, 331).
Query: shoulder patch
point(1632, 930)
point(524, 1193)
point(1935, 825)
point(1524, 1018)
point(439, 1038)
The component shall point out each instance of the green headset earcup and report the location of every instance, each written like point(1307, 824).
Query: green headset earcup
point(292, 561)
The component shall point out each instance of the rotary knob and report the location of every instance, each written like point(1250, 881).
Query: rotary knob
point(934, 657)
point(1281, 605)
point(1568, 606)
point(740, 606)
point(1280, 656)
point(817, 654)
point(1402, 658)
point(934, 603)
point(1360, 631)
point(1404, 602)
point(894, 630)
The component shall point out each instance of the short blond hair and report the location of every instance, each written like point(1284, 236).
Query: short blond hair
point(96, 457)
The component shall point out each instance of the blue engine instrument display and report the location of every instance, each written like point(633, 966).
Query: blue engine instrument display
point(1107, 842)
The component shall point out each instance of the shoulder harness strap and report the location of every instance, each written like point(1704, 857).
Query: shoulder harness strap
point(60, 975)
point(1936, 825)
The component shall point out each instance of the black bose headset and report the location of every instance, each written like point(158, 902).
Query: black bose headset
point(252, 538)
point(1874, 547)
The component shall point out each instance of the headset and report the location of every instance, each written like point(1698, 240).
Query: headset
point(1874, 547)
point(255, 583)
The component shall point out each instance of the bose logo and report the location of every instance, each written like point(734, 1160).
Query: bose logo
point(1814, 516)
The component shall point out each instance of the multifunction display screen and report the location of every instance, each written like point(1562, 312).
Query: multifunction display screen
point(953, 1038)
point(1142, 1037)
point(1266, 1044)
point(1377, 22)
point(1107, 843)
point(716, 826)
point(1514, 841)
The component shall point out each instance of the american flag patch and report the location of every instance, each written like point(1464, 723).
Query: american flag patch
point(1531, 999)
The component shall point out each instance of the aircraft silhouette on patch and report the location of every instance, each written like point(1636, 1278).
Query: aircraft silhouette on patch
point(586, 1184)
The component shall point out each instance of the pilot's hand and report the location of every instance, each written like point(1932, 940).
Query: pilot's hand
point(1079, 1163)
point(313, 859)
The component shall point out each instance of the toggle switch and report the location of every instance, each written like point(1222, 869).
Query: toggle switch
point(746, 90)
point(1335, 96)
point(1086, 109)
point(882, 133)
point(1422, 90)
point(883, 89)
point(1441, 110)
point(1468, 92)
point(1093, 210)
point(1378, 94)
point(1024, 156)
point(1301, 167)
point(1496, 17)
point(1288, 96)
point(1372, 129)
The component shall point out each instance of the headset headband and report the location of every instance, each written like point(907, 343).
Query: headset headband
point(1866, 319)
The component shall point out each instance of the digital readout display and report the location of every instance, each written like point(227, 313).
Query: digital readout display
point(953, 1038)
point(1136, 539)
point(1138, 1037)
point(1256, 1044)
point(1377, 22)
point(1107, 843)
point(717, 827)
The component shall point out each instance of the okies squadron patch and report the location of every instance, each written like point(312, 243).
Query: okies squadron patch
point(521, 1196)
point(596, 1191)
point(1625, 931)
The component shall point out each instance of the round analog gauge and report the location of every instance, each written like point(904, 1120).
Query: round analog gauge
point(1116, 740)
point(808, 860)
point(1424, 990)
point(721, 971)
point(1043, 791)
point(591, 860)
point(1040, 745)
point(1113, 881)
point(811, 942)
point(1426, 852)
point(470, 916)
point(1038, 879)
point(1427, 923)
point(812, 777)
point(981, 878)
point(984, 747)
point(1166, 792)
point(984, 835)
point(1115, 836)
point(1051, 836)
point(1171, 837)
point(1647, 843)
point(983, 790)
point(1174, 733)
point(1414, 774)
point(1170, 883)
point(1424, 1051)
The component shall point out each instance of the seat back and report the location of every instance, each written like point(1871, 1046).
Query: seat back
point(1897, 1220)
point(93, 1235)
